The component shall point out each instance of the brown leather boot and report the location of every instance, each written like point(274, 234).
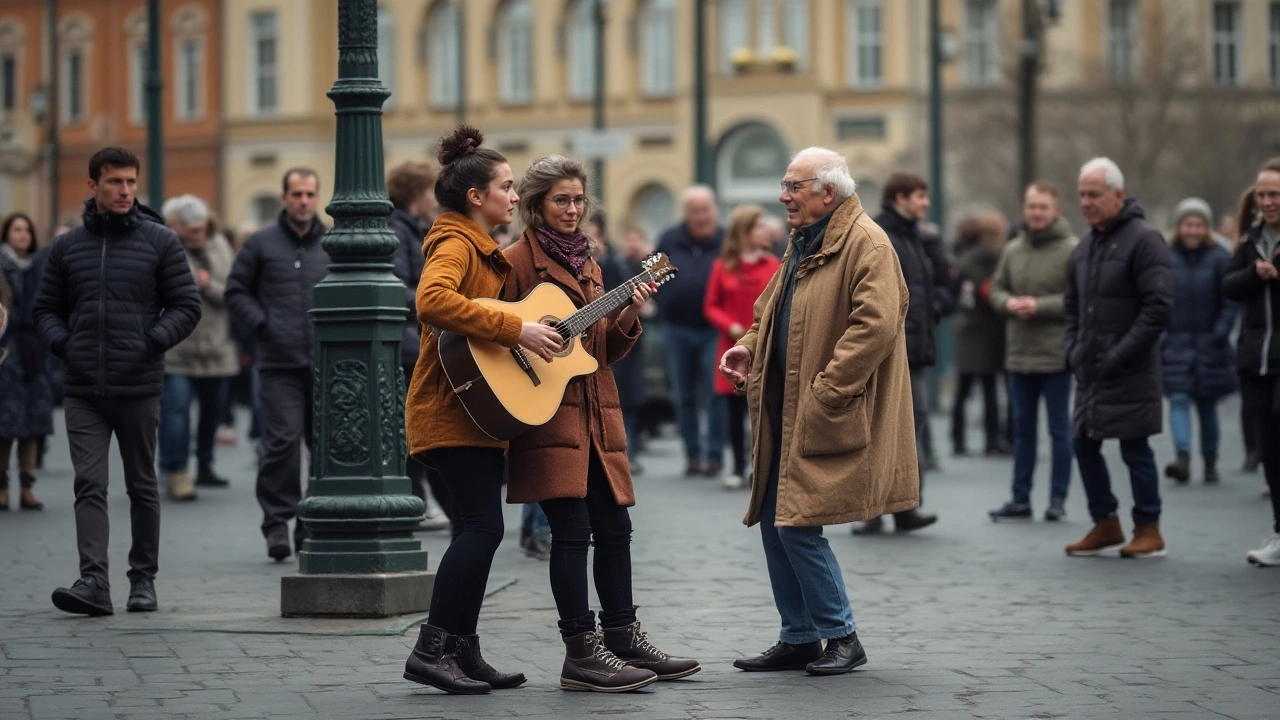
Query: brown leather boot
point(632, 647)
point(590, 667)
point(432, 663)
point(1147, 542)
point(1106, 535)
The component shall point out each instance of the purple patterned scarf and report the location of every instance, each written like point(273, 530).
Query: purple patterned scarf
point(568, 250)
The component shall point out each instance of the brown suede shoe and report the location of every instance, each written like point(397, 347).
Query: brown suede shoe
point(1147, 542)
point(1105, 536)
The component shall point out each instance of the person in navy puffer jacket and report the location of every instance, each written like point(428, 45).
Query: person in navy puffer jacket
point(1197, 359)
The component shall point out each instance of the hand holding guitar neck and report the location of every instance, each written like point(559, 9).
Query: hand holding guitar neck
point(542, 339)
point(643, 292)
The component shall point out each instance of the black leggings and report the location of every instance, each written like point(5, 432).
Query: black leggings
point(738, 432)
point(575, 522)
point(991, 410)
point(1259, 393)
point(472, 479)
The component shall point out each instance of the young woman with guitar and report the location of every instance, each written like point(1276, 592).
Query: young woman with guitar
point(576, 465)
point(475, 187)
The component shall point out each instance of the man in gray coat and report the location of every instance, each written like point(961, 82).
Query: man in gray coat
point(1117, 305)
point(272, 291)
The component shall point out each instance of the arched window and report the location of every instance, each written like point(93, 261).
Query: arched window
point(658, 48)
point(444, 28)
point(750, 161)
point(580, 27)
point(653, 210)
point(387, 53)
point(515, 52)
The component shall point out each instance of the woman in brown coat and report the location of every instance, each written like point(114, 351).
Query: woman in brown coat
point(475, 186)
point(576, 466)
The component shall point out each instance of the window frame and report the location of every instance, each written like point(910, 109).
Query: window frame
point(185, 76)
point(387, 53)
point(856, 36)
point(580, 46)
point(444, 55)
point(9, 79)
point(657, 25)
point(740, 12)
point(257, 76)
point(796, 25)
point(1273, 43)
point(70, 99)
point(985, 71)
point(1225, 44)
point(1126, 66)
point(515, 78)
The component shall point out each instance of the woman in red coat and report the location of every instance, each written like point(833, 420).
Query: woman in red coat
point(737, 279)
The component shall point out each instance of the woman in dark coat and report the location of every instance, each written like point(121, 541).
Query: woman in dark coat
point(26, 397)
point(1197, 360)
point(979, 328)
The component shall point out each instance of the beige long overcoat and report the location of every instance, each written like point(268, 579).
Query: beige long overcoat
point(848, 438)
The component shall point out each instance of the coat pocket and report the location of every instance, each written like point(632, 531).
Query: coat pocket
point(827, 429)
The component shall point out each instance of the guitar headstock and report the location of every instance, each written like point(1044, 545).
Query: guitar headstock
point(660, 268)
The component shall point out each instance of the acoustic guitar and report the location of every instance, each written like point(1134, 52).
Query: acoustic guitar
point(510, 391)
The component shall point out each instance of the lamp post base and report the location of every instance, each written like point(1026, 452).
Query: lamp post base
point(353, 596)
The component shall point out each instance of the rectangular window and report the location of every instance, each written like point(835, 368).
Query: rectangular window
point(1273, 44)
point(735, 31)
point(866, 40)
point(138, 83)
point(264, 79)
point(981, 42)
point(795, 30)
point(189, 78)
point(861, 128)
point(659, 49)
point(444, 49)
point(73, 86)
point(265, 209)
point(1122, 40)
point(387, 53)
point(766, 24)
point(8, 82)
point(1226, 43)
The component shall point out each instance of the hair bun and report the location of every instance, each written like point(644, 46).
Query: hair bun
point(464, 140)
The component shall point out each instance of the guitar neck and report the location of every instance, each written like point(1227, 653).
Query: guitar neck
point(596, 310)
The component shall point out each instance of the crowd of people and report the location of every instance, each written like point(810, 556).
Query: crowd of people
point(805, 344)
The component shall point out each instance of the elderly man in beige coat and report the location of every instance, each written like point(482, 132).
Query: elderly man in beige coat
point(825, 370)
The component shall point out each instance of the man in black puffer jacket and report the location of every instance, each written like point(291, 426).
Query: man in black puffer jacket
point(271, 290)
point(1117, 305)
point(116, 295)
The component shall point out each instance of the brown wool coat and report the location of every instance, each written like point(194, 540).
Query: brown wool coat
point(462, 262)
point(848, 438)
point(551, 461)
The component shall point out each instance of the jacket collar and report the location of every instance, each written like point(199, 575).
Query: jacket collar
point(460, 226)
point(1130, 210)
point(839, 223)
point(548, 267)
point(100, 223)
point(410, 220)
point(1060, 229)
point(313, 234)
point(893, 223)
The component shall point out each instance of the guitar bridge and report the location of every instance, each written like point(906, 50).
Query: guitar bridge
point(523, 361)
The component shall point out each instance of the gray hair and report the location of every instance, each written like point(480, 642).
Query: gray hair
point(830, 169)
point(186, 209)
point(1110, 171)
point(537, 182)
point(698, 189)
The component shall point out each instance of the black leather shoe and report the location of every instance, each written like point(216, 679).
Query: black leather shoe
point(782, 656)
point(206, 477)
point(278, 543)
point(142, 596)
point(874, 526)
point(912, 520)
point(841, 656)
point(85, 597)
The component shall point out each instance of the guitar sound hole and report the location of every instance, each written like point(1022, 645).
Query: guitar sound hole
point(568, 344)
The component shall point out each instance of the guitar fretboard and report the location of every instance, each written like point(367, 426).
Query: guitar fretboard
point(596, 310)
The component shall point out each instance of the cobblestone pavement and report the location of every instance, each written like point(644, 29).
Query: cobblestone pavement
point(966, 619)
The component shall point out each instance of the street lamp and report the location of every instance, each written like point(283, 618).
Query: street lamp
point(361, 558)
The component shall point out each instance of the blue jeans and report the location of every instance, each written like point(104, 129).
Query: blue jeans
point(1025, 390)
point(631, 423)
point(1180, 424)
point(1097, 480)
point(175, 419)
point(808, 587)
point(692, 361)
point(533, 519)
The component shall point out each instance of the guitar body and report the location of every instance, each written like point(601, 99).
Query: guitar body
point(500, 395)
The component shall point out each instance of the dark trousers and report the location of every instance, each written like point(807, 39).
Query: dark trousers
point(1096, 479)
point(575, 523)
point(175, 419)
point(1025, 391)
point(1248, 428)
point(90, 424)
point(422, 477)
point(287, 409)
point(1259, 393)
point(990, 407)
point(737, 429)
point(472, 480)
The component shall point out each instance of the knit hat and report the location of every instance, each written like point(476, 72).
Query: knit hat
point(1193, 206)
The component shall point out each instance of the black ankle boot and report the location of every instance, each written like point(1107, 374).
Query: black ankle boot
point(841, 655)
point(466, 650)
point(432, 663)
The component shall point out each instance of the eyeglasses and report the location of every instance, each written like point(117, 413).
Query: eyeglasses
point(791, 186)
point(562, 201)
